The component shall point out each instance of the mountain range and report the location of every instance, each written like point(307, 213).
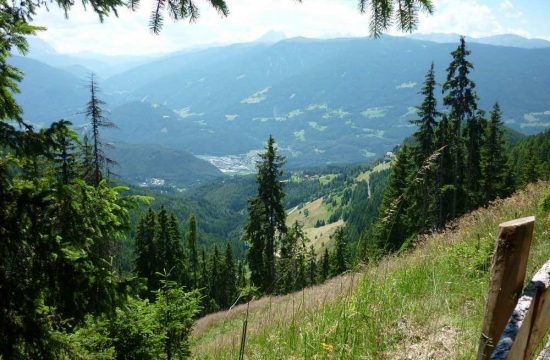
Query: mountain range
point(325, 101)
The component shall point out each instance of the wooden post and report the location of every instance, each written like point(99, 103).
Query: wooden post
point(529, 321)
point(507, 277)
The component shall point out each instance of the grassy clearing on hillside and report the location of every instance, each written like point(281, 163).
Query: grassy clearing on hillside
point(316, 210)
point(424, 304)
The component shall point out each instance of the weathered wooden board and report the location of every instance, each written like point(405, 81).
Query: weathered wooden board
point(507, 277)
point(529, 322)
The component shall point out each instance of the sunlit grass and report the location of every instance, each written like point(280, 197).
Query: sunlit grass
point(424, 304)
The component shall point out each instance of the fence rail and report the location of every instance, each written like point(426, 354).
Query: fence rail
point(518, 323)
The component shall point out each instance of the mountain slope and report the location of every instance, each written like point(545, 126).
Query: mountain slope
point(49, 94)
point(426, 303)
point(328, 100)
point(143, 163)
point(325, 101)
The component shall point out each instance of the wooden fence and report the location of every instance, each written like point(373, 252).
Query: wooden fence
point(515, 323)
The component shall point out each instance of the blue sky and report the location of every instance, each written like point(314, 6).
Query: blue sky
point(249, 19)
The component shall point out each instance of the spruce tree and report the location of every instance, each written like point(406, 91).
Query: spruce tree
point(217, 289)
point(145, 248)
point(96, 114)
point(494, 162)
point(423, 195)
point(229, 277)
point(461, 98)
point(175, 256)
point(254, 236)
point(192, 248)
point(339, 259)
point(393, 228)
point(312, 266)
point(427, 121)
point(266, 224)
point(66, 157)
point(325, 266)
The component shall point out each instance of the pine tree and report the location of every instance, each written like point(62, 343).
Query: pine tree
point(423, 195)
point(229, 277)
point(339, 260)
point(266, 224)
point(175, 256)
point(254, 235)
point(444, 178)
point(393, 229)
point(494, 162)
point(325, 266)
point(460, 96)
point(192, 248)
point(145, 248)
point(96, 114)
point(217, 289)
point(66, 155)
point(427, 122)
point(312, 266)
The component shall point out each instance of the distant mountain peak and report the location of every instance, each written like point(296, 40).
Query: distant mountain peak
point(511, 40)
point(271, 36)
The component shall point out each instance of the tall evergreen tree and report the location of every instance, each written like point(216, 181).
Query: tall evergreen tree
point(145, 248)
point(312, 266)
point(427, 121)
point(461, 98)
point(175, 256)
point(217, 288)
point(325, 266)
point(96, 114)
point(254, 236)
point(192, 248)
point(494, 162)
point(266, 224)
point(393, 228)
point(339, 260)
point(423, 195)
point(229, 278)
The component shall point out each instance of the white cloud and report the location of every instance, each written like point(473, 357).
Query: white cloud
point(249, 19)
point(473, 18)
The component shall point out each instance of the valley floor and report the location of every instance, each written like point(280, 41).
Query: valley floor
point(423, 304)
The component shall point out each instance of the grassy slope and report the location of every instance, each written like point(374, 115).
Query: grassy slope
point(427, 303)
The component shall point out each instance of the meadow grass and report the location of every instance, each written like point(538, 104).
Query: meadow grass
point(426, 303)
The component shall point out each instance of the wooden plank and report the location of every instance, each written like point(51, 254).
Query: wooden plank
point(529, 322)
point(507, 277)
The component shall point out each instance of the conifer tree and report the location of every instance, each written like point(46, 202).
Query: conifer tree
point(145, 248)
point(254, 236)
point(461, 98)
point(339, 260)
point(325, 266)
point(494, 163)
point(427, 122)
point(266, 224)
point(175, 256)
point(192, 248)
point(229, 278)
point(444, 178)
point(217, 289)
point(241, 275)
point(423, 194)
point(312, 266)
point(66, 155)
point(96, 114)
point(393, 228)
